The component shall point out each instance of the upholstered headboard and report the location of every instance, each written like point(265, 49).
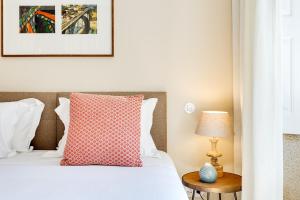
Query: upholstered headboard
point(51, 128)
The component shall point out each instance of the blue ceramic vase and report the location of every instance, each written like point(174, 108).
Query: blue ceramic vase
point(208, 173)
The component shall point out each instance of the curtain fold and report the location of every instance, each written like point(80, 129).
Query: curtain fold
point(260, 99)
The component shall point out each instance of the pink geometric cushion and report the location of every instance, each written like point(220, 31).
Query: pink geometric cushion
point(104, 130)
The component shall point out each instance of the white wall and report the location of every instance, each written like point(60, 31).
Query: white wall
point(182, 47)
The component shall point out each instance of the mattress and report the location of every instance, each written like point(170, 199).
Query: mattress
point(30, 176)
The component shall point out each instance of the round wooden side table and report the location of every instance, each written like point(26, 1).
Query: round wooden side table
point(229, 183)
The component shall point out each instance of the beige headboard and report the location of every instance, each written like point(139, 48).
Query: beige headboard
point(51, 128)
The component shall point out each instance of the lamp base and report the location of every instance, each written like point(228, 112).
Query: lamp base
point(219, 169)
point(214, 154)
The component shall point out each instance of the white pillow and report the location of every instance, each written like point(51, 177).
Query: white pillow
point(63, 111)
point(9, 113)
point(11, 116)
point(148, 148)
point(26, 127)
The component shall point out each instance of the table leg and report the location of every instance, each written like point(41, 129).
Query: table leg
point(220, 196)
point(208, 194)
point(193, 196)
point(235, 197)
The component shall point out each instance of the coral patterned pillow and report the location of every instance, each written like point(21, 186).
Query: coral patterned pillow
point(104, 130)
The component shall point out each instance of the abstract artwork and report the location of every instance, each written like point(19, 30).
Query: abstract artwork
point(56, 28)
point(79, 19)
point(37, 19)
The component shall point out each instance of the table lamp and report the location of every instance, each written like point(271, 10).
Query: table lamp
point(214, 124)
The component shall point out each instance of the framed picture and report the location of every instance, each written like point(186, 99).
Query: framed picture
point(55, 28)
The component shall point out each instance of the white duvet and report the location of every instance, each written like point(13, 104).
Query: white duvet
point(29, 176)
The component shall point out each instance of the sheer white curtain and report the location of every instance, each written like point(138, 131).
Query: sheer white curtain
point(259, 78)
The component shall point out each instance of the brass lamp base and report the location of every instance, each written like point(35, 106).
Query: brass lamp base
point(218, 167)
point(214, 155)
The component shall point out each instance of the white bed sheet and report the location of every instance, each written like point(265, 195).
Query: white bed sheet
point(29, 176)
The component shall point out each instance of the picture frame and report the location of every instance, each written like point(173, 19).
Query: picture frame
point(52, 28)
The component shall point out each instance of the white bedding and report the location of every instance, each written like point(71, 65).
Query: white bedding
point(29, 176)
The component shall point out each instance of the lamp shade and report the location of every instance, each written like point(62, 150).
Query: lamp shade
point(214, 124)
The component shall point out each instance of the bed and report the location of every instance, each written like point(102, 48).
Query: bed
point(34, 176)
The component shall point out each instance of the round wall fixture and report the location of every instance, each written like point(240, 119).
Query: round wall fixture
point(189, 108)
